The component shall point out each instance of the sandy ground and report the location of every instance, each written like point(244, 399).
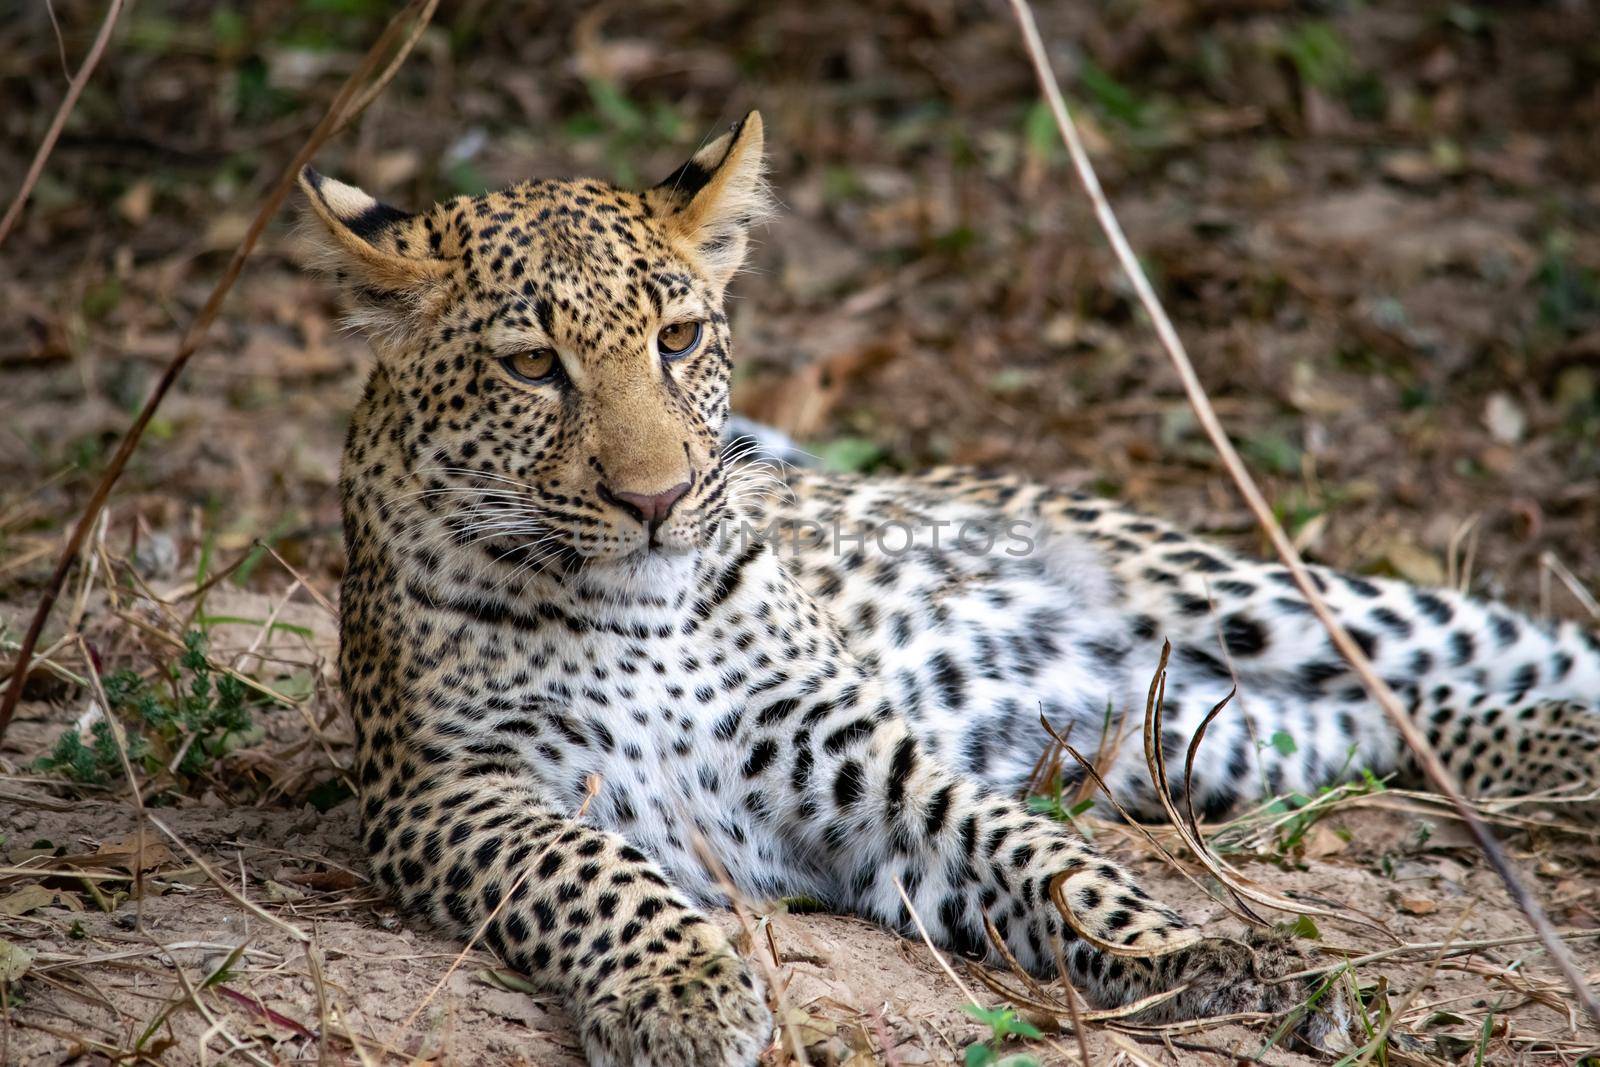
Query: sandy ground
point(102, 981)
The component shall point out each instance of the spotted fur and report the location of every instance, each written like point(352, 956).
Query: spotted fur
point(566, 703)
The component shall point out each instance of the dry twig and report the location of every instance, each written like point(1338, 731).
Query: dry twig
point(340, 112)
point(231, 893)
point(68, 102)
point(938, 957)
point(770, 968)
point(1426, 757)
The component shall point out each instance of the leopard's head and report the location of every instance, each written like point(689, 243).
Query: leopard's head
point(555, 357)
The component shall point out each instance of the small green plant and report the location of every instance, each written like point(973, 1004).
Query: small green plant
point(1284, 743)
point(850, 454)
point(1322, 60)
point(1112, 97)
point(1003, 1022)
point(1294, 1016)
point(1053, 803)
point(624, 127)
point(1311, 810)
point(185, 724)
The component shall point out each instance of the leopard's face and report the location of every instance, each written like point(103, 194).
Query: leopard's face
point(571, 391)
point(558, 351)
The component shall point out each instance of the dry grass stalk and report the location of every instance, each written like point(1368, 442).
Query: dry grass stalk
point(1380, 1041)
point(1205, 413)
point(938, 956)
point(228, 890)
point(316, 594)
point(68, 102)
point(1550, 563)
point(1040, 1006)
point(1234, 881)
point(339, 113)
point(1095, 779)
point(1457, 948)
point(741, 909)
point(115, 729)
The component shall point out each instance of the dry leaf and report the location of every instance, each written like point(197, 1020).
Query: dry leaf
point(1413, 564)
point(279, 893)
point(14, 961)
point(225, 231)
point(123, 853)
point(1417, 905)
point(510, 981)
point(26, 899)
point(134, 205)
point(799, 405)
point(1322, 840)
point(810, 1028)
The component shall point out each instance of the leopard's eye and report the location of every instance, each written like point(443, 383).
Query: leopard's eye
point(537, 365)
point(678, 340)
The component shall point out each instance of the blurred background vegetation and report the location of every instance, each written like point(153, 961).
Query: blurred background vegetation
point(1373, 221)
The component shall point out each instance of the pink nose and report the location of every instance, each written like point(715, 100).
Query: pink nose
point(648, 508)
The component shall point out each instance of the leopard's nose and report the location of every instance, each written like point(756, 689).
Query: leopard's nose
point(648, 508)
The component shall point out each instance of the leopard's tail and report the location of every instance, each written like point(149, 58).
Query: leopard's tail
point(1510, 702)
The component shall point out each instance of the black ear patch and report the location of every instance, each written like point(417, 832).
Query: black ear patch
point(366, 225)
point(375, 220)
point(686, 181)
point(690, 178)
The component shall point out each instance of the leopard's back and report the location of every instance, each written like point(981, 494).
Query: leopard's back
point(988, 602)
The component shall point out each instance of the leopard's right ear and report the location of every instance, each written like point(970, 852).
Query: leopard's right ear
point(377, 253)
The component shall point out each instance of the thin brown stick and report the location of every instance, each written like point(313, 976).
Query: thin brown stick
point(1156, 763)
point(1020, 999)
point(61, 45)
point(68, 102)
point(1457, 948)
point(938, 957)
point(1095, 779)
point(324, 1027)
point(316, 594)
point(381, 82)
point(1071, 997)
point(231, 893)
point(1381, 1039)
point(1000, 946)
point(338, 114)
point(771, 969)
point(1426, 757)
point(108, 713)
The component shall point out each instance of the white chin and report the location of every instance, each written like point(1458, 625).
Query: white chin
point(656, 570)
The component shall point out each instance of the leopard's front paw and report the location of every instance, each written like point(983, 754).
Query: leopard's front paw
point(705, 1011)
point(1225, 976)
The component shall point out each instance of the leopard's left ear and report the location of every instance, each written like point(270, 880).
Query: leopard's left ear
point(711, 201)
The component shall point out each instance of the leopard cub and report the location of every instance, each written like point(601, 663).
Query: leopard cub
point(578, 677)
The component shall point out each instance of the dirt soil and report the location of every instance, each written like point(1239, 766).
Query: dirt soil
point(1374, 224)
